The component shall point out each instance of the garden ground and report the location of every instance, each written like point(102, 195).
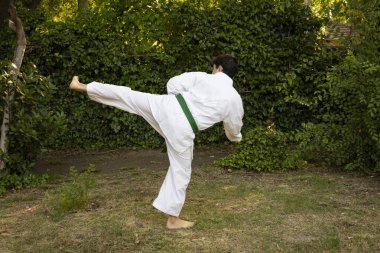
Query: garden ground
point(311, 210)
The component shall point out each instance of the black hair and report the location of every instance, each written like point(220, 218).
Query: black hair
point(229, 64)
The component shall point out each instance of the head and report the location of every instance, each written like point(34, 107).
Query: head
point(227, 64)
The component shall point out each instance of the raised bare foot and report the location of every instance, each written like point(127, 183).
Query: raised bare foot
point(74, 82)
point(177, 223)
point(76, 85)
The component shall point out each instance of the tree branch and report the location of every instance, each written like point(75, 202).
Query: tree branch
point(12, 25)
point(16, 25)
point(21, 39)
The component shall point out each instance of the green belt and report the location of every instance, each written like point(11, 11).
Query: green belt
point(187, 112)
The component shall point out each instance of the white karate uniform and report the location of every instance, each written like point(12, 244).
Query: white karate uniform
point(211, 98)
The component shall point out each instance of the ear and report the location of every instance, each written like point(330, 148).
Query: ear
point(217, 69)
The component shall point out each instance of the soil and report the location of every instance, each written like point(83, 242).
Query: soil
point(60, 161)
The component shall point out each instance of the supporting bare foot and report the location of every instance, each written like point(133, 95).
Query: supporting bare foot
point(177, 223)
point(76, 85)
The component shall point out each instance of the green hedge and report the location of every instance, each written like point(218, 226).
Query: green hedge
point(348, 134)
point(286, 76)
point(143, 46)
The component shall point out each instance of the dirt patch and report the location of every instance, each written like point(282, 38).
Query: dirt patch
point(60, 161)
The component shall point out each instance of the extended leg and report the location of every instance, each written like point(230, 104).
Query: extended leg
point(172, 194)
point(121, 97)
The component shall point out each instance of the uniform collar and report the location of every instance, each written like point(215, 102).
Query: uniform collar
point(226, 76)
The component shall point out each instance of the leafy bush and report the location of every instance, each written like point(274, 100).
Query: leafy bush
point(264, 149)
point(73, 194)
point(13, 181)
point(34, 124)
point(347, 130)
point(349, 134)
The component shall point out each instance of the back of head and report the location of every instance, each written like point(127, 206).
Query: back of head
point(229, 64)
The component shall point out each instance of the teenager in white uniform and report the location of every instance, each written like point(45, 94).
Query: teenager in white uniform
point(210, 98)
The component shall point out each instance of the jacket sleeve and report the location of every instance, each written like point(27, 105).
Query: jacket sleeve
point(182, 83)
point(234, 121)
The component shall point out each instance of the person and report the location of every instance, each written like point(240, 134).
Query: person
point(195, 101)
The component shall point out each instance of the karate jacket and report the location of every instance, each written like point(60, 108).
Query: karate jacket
point(211, 98)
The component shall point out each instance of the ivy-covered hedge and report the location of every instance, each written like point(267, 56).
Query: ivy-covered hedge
point(284, 79)
point(142, 46)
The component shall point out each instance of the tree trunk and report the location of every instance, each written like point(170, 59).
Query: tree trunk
point(82, 4)
point(4, 15)
point(16, 25)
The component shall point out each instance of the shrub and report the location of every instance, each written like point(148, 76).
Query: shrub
point(349, 132)
point(13, 181)
point(264, 149)
point(72, 195)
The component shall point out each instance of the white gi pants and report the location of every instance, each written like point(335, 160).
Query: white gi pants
point(172, 194)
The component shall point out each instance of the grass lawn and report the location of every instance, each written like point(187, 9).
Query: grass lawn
point(312, 210)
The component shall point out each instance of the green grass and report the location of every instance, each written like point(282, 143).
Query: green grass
point(20, 198)
point(298, 211)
